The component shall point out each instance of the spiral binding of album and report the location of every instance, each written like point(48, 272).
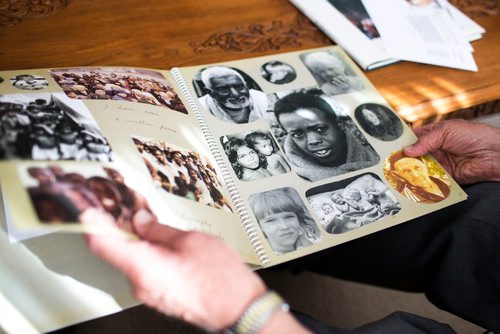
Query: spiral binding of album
point(239, 206)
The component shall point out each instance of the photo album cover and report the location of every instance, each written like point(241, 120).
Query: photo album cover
point(280, 156)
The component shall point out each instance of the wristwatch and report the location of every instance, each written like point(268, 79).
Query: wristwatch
point(258, 314)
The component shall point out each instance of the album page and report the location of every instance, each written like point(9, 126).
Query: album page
point(313, 150)
point(113, 138)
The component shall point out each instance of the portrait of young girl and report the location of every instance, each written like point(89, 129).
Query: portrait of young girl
point(247, 163)
point(264, 144)
point(284, 220)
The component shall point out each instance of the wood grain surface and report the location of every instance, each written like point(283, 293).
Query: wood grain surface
point(164, 34)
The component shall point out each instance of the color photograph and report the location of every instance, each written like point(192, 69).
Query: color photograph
point(421, 179)
point(356, 13)
point(182, 172)
point(118, 84)
point(61, 193)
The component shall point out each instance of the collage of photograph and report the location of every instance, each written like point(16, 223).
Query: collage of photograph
point(58, 127)
point(310, 134)
point(294, 131)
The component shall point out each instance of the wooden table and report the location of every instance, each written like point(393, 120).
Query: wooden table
point(164, 34)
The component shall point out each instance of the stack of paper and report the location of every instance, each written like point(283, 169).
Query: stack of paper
point(424, 31)
point(378, 33)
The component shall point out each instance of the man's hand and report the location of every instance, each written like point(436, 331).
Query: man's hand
point(188, 275)
point(469, 151)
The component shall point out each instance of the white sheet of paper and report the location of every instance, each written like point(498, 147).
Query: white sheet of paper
point(421, 33)
point(471, 30)
point(452, 25)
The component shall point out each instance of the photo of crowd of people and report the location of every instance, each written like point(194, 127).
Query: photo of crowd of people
point(182, 172)
point(321, 140)
point(254, 155)
point(352, 203)
point(118, 84)
point(355, 11)
point(60, 194)
point(29, 82)
point(284, 220)
point(421, 180)
point(49, 127)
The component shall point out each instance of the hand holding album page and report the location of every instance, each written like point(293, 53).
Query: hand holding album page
point(422, 31)
point(280, 156)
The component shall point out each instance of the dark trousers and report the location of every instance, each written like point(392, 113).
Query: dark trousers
point(452, 255)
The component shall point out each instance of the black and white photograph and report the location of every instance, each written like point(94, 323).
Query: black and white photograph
point(49, 127)
point(61, 193)
point(333, 75)
point(421, 180)
point(321, 140)
point(230, 94)
point(278, 72)
point(118, 84)
point(356, 13)
point(276, 129)
point(379, 121)
point(352, 203)
point(29, 82)
point(182, 172)
point(284, 220)
point(254, 155)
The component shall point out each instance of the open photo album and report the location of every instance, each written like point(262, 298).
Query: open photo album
point(280, 156)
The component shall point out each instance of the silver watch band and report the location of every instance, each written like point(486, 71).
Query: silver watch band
point(258, 314)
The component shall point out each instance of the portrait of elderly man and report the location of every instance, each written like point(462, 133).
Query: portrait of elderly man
point(319, 144)
point(379, 121)
point(412, 179)
point(229, 97)
point(332, 74)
